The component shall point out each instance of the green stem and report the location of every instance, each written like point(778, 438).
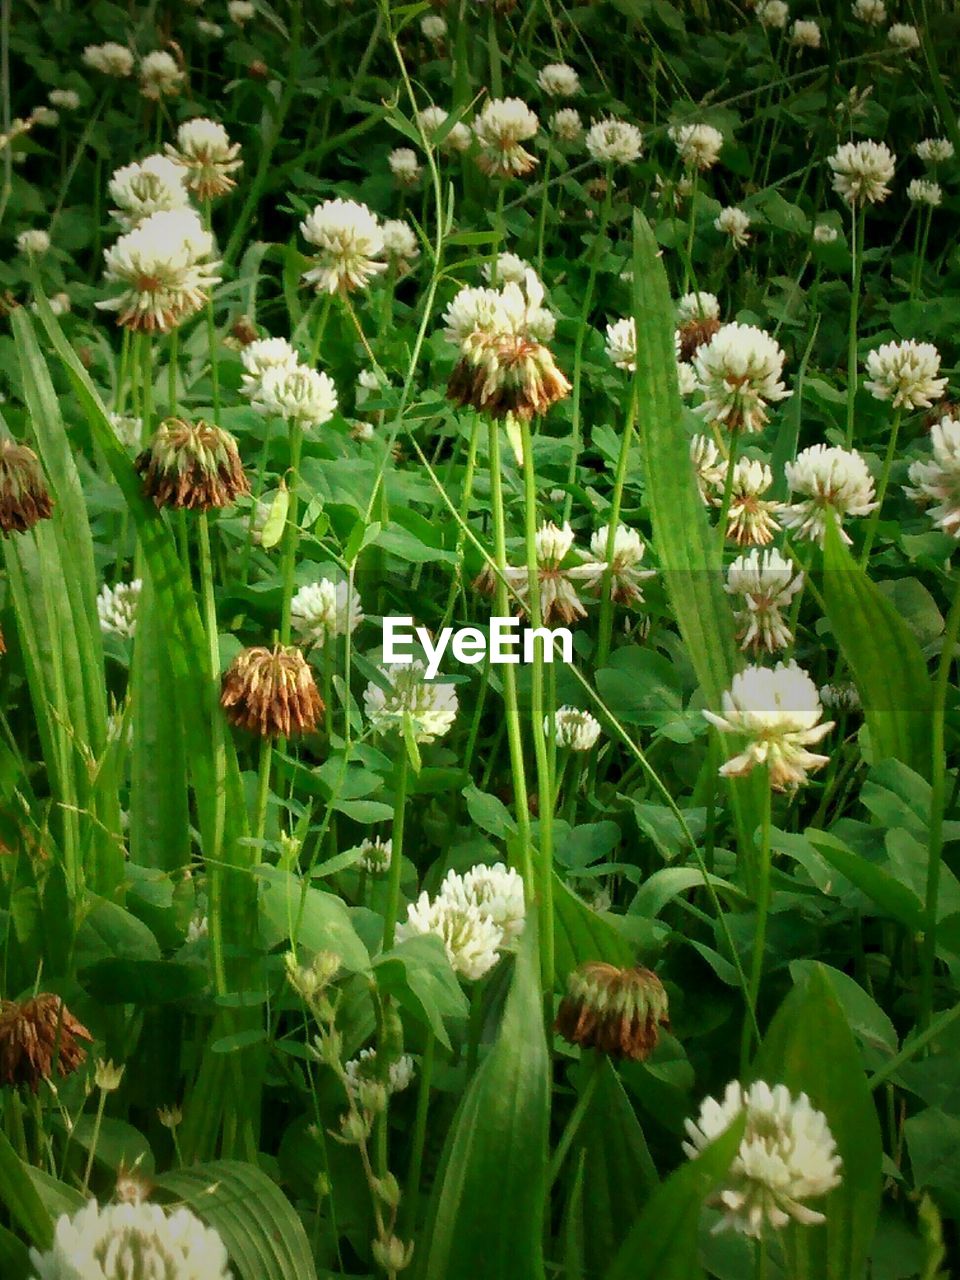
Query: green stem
point(412, 1195)
point(213, 855)
point(542, 221)
point(291, 531)
point(94, 1139)
point(606, 602)
point(852, 371)
point(881, 488)
point(910, 1050)
point(760, 933)
point(263, 788)
point(396, 857)
point(573, 1124)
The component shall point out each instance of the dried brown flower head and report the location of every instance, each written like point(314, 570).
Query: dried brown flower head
point(24, 499)
point(36, 1036)
point(618, 1011)
point(271, 692)
point(244, 331)
point(695, 333)
point(194, 465)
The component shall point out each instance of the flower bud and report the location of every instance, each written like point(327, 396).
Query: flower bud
point(618, 1011)
point(392, 1254)
point(354, 1128)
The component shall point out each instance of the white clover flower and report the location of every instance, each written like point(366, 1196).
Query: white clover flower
point(739, 372)
point(872, 12)
point(35, 241)
point(377, 855)
point(471, 940)
point(830, 479)
point(558, 595)
point(46, 117)
point(805, 34)
point(133, 1241)
point(767, 582)
point(625, 574)
point(934, 150)
point(399, 240)
point(59, 304)
point(698, 145)
point(510, 269)
point(297, 394)
point(117, 608)
point(559, 80)
point(432, 120)
point(686, 378)
point(778, 710)
point(621, 344)
point(405, 166)
point(938, 481)
point(198, 928)
point(160, 75)
point(566, 125)
point(364, 1067)
point(823, 233)
point(67, 99)
point(573, 729)
point(152, 185)
point(862, 171)
point(612, 141)
point(431, 708)
point(710, 467)
point(923, 191)
point(324, 609)
point(751, 519)
point(495, 891)
point(773, 14)
point(840, 697)
point(350, 239)
point(128, 429)
point(212, 30)
point(905, 373)
point(903, 37)
point(733, 222)
point(241, 11)
point(433, 28)
point(696, 307)
point(500, 128)
point(787, 1156)
point(110, 59)
point(208, 156)
point(163, 265)
point(263, 354)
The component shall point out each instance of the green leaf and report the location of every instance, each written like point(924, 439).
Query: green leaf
point(293, 912)
point(487, 1217)
point(418, 975)
point(580, 934)
point(887, 663)
point(276, 519)
point(892, 896)
point(14, 1257)
point(810, 1048)
point(19, 1195)
point(263, 1235)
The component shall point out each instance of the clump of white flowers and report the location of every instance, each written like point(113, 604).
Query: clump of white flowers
point(110, 59)
point(573, 729)
point(777, 709)
point(709, 467)
point(805, 34)
point(829, 479)
point(404, 166)
point(263, 354)
point(500, 128)
point(475, 916)
point(364, 1067)
point(241, 11)
point(298, 394)
point(558, 596)
point(903, 37)
point(324, 609)
point(938, 481)
point(400, 243)
point(376, 855)
point(433, 119)
point(509, 269)
point(497, 893)
point(612, 141)
point(622, 567)
point(160, 75)
point(128, 429)
point(923, 191)
point(766, 582)
point(205, 151)
point(787, 1156)
point(696, 307)
point(404, 694)
point(698, 145)
point(433, 28)
point(132, 1241)
point(823, 233)
point(739, 372)
point(862, 171)
point(152, 185)
point(933, 151)
point(735, 223)
point(117, 608)
point(621, 344)
point(559, 80)
point(751, 519)
point(34, 241)
point(905, 373)
point(66, 99)
point(872, 12)
point(350, 242)
point(566, 125)
point(773, 14)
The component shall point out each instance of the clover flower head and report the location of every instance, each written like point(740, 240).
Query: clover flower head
point(558, 80)
point(152, 185)
point(733, 222)
point(862, 171)
point(500, 128)
point(905, 373)
point(350, 242)
point(612, 141)
point(938, 481)
point(739, 372)
point(828, 479)
point(117, 608)
point(404, 694)
point(325, 609)
point(766, 582)
point(573, 729)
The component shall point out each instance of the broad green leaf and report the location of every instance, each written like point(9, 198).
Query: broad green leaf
point(14, 1257)
point(663, 886)
point(487, 1216)
point(581, 934)
point(810, 1048)
point(892, 897)
point(20, 1197)
point(263, 1234)
point(418, 975)
point(293, 912)
point(887, 664)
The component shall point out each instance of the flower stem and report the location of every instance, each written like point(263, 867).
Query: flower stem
point(542, 222)
point(881, 488)
point(291, 531)
point(94, 1139)
point(212, 855)
point(760, 933)
point(606, 602)
point(412, 1196)
point(396, 856)
point(858, 228)
point(572, 1126)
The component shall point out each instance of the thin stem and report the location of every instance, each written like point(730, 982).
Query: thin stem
point(760, 932)
point(396, 857)
point(858, 229)
point(94, 1139)
point(910, 1050)
point(881, 488)
point(572, 1126)
point(213, 855)
point(291, 531)
point(606, 602)
point(412, 1196)
point(542, 222)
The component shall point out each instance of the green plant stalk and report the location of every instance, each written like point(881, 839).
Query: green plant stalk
point(727, 492)
point(213, 856)
point(937, 796)
point(263, 789)
point(291, 530)
point(465, 499)
point(396, 857)
point(760, 933)
point(412, 1193)
point(544, 777)
point(881, 488)
point(859, 219)
point(572, 1127)
point(616, 501)
point(542, 221)
point(691, 231)
point(910, 1050)
point(502, 605)
point(94, 1140)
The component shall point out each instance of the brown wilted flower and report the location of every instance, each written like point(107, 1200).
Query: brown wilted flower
point(24, 499)
point(694, 333)
point(194, 465)
point(618, 1011)
point(271, 692)
point(258, 69)
point(244, 331)
point(36, 1036)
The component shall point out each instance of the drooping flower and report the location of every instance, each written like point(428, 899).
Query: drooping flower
point(773, 14)
point(862, 171)
point(566, 125)
point(766, 582)
point(828, 479)
point(573, 729)
point(559, 80)
point(160, 75)
point(612, 141)
point(751, 519)
point(778, 710)
point(34, 242)
point(404, 694)
point(350, 240)
point(805, 34)
point(364, 1067)
point(38, 1037)
point(405, 166)
point(624, 570)
point(205, 151)
point(733, 222)
point(871, 12)
point(325, 609)
point(500, 128)
point(903, 37)
point(933, 151)
point(164, 268)
point(24, 498)
point(905, 373)
point(192, 465)
point(938, 481)
point(117, 608)
point(698, 145)
point(132, 1241)
point(471, 940)
point(298, 394)
point(497, 893)
point(110, 59)
point(923, 191)
point(739, 372)
point(152, 185)
point(786, 1157)
point(271, 692)
point(616, 1011)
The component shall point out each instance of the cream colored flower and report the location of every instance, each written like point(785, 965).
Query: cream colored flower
point(209, 157)
point(559, 80)
point(471, 940)
point(160, 75)
point(433, 119)
point(923, 191)
point(621, 344)
point(558, 595)
point(905, 373)
point(733, 222)
point(573, 729)
point(117, 608)
point(350, 240)
point(698, 145)
point(624, 570)
point(934, 151)
point(862, 171)
point(152, 185)
point(903, 37)
point(872, 12)
point(751, 519)
point(938, 481)
point(322, 610)
point(404, 694)
point(612, 141)
point(110, 59)
point(301, 395)
point(500, 128)
point(566, 125)
point(497, 893)
point(739, 372)
point(767, 583)
point(773, 14)
point(828, 479)
point(35, 242)
point(805, 34)
point(405, 166)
